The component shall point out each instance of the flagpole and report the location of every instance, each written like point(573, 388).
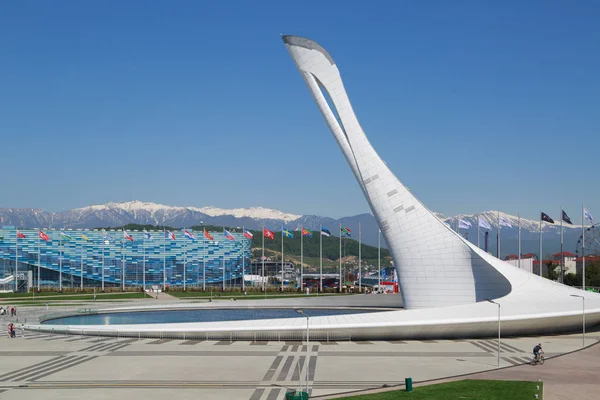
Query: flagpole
point(184, 257)
point(359, 260)
point(39, 263)
point(478, 246)
point(340, 258)
point(204, 261)
point(499, 236)
point(17, 262)
point(583, 246)
point(541, 258)
point(321, 260)
point(60, 264)
point(301, 260)
point(519, 215)
point(103, 239)
point(164, 258)
point(223, 260)
point(81, 265)
point(123, 261)
point(379, 259)
point(243, 262)
point(282, 258)
point(263, 259)
point(562, 260)
point(144, 262)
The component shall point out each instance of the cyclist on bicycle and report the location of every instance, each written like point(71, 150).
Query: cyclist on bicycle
point(537, 350)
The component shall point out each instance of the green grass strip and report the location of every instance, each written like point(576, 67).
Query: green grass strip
point(467, 389)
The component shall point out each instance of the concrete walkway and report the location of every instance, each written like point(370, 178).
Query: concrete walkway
point(565, 377)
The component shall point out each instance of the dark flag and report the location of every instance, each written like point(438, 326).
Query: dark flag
point(566, 218)
point(546, 217)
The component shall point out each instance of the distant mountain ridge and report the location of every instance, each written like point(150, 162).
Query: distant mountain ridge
point(138, 212)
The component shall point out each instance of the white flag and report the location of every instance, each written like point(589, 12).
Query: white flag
point(484, 224)
point(464, 224)
point(588, 215)
point(505, 222)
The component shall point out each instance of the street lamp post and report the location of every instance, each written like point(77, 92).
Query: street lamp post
point(582, 315)
point(307, 345)
point(498, 304)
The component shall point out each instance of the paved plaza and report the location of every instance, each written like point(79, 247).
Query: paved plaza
point(46, 366)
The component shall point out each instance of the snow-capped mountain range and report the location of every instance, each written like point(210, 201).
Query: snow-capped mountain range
point(119, 214)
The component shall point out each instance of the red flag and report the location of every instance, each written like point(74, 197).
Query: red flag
point(268, 234)
point(43, 236)
point(248, 234)
point(20, 235)
point(208, 235)
point(127, 236)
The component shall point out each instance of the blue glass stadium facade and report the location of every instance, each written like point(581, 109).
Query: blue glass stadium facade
point(103, 260)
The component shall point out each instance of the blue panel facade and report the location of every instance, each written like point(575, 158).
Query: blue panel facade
point(162, 259)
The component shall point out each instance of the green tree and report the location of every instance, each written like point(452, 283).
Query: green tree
point(552, 271)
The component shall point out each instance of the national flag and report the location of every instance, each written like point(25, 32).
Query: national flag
point(148, 236)
point(346, 231)
point(228, 235)
point(325, 232)
point(208, 235)
point(84, 237)
point(189, 234)
point(306, 232)
point(169, 235)
point(588, 215)
point(287, 234)
point(464, 224)
point(127, 236)
point(43, 236)
point(483, 223)
point(105, 236)
point(546, 217)
point(20, 235)
point(65, 235)
point(248, 234)
point(566, 218)
point(268, 234)
point(505, 222)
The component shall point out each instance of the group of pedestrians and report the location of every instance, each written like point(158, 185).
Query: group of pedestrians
point(6, 310)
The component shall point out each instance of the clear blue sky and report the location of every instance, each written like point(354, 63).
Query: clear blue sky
point(474, 105)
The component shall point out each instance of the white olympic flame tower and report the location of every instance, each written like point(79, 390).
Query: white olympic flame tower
point(436, 266)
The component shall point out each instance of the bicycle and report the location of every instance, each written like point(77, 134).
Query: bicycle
point(538, 360)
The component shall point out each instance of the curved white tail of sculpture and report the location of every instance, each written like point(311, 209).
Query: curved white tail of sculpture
point(436, 267)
